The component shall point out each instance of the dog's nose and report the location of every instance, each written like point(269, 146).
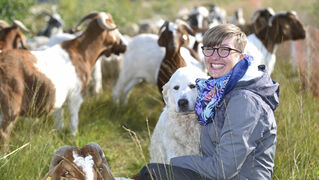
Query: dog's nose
point(182, 103)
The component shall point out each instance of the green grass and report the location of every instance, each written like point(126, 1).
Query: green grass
point(297, 155)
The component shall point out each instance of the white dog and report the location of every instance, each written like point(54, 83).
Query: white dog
point(177, 130)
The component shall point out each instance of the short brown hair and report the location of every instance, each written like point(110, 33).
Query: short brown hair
point(216, 35)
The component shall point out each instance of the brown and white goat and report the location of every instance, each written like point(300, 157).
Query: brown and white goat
point(259, 19)
point(175, 38)
point(11, 36)
point(33, 83)
point(86, 163)
point(281, 27)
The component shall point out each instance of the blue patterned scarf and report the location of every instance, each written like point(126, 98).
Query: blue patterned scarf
point(211, 92)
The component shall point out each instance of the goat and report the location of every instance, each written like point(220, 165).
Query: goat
point(96, 74)
point(144, 56)
point(218, 13)
point(259, 19)
point(48, 79)
point(54, 26)
point(88, 163)
point(198, 19)
point(140, 62)
point(175, 38)
point(11, 36)
point(281, 27)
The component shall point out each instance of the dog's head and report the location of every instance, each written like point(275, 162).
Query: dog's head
point(180, 91)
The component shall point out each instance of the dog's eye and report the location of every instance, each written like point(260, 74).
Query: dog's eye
point(176, 87)
point(192, 86)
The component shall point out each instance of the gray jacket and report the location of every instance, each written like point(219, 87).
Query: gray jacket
point(240, 143)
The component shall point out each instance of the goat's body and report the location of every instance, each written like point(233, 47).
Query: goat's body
point(24, 87)
point(66, 83)
point(53, 80)
point(141, 62)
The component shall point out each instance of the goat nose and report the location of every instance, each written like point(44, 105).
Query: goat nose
point(182, 102)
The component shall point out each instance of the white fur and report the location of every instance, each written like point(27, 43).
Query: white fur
point(177, 131)
point(97, 68)
point(51, 62)
point(141, 61)
point(86, 163)
point(256, 49)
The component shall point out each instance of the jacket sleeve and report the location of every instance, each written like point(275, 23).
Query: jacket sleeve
point(235, 144)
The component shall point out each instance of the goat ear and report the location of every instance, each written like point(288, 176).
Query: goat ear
point(108, 173)
point(58, 155)
point(161, 40)
point(165, 91)
point(3, 24)
point(99, 150)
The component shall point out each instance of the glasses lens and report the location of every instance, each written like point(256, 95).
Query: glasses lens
point(208, 52)
point(223, 52)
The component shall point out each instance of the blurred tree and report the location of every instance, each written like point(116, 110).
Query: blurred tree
point(15, 9)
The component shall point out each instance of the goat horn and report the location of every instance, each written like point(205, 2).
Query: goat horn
point(20, 25)
point(21, 38)
point(101, 19)
point(3, 24)
point(99, 150)
point(89, 16)
point(58, 155)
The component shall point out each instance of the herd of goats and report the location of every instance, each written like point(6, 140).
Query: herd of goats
point(45, 73)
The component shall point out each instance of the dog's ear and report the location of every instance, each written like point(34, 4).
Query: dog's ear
point(164, 92)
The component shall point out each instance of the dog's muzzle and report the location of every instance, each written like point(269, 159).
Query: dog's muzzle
point(183, 105)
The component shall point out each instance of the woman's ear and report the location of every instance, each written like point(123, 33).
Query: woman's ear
point(241, 56)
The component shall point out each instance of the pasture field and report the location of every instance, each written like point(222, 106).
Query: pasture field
point(124, 131)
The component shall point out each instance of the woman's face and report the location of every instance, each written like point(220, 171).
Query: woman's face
point(218, 66)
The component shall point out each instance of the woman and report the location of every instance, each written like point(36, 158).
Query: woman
point(235, 108)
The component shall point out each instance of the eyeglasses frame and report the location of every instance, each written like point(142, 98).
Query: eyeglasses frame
point(229, 49)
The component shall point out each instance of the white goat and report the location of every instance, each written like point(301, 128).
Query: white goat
point(140, 62)
point(33, 83)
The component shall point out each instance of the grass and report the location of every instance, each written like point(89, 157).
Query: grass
point(123, 131)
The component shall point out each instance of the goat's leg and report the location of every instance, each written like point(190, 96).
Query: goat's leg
point(59, 118)
point(97, 77)
point(10, 108)
point(128, 87)
point(117, 90)
point(7, 124)
point(74, 108)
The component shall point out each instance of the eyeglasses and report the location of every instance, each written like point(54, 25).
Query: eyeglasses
point(221, 51)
